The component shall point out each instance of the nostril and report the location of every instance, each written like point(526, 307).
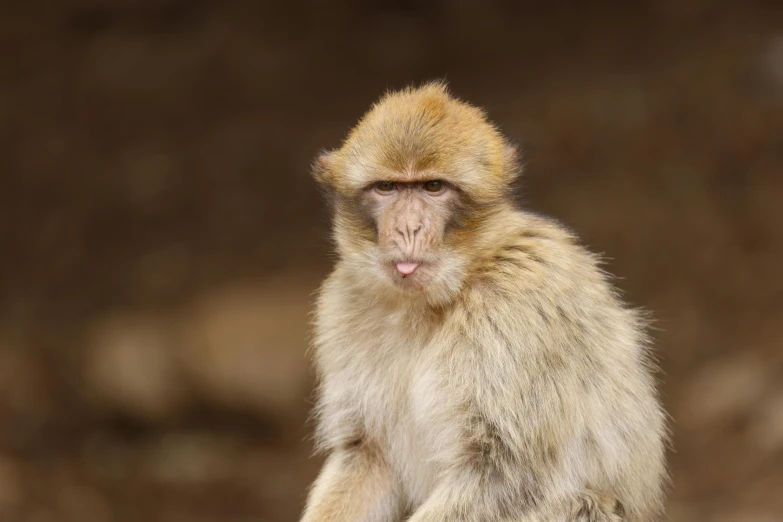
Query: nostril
point(407, 231)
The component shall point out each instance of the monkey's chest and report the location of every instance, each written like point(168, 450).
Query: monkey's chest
point(415, 425)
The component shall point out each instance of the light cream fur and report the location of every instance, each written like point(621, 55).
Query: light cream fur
point(513, 386)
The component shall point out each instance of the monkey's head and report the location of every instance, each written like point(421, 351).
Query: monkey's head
point(412, 187)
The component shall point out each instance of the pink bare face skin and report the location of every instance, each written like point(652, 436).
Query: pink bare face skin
point(411, 219)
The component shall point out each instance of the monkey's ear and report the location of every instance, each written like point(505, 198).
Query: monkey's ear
point(512, 161)
point(322, 168)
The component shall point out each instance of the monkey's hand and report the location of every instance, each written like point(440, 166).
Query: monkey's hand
point(354, 485)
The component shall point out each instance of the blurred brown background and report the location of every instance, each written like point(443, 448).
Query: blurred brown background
point(160, 237)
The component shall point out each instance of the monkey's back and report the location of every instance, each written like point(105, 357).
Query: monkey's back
point(537, 371)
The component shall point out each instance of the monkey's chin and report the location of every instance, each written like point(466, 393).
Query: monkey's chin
point(411, 282)
point(428, 285)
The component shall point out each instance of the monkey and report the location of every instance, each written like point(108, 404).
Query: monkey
point(474, 362)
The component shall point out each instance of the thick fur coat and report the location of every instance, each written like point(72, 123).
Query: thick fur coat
point(514, 386)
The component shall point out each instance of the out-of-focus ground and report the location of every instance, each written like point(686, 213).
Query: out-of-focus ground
point(160, 238)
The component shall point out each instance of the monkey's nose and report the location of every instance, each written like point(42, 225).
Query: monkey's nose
point(408, 231)
point(407, 268)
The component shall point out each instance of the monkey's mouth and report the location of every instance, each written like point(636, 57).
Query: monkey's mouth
point(409, 274)
point(407, 268)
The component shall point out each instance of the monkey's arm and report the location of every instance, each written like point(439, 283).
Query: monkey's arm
point(354, 485)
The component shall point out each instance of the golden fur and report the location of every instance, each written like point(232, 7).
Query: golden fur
point(513, 386)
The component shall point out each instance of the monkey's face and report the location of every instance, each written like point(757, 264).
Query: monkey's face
point(411, 219)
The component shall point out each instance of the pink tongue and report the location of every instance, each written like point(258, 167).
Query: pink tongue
point(407, 268)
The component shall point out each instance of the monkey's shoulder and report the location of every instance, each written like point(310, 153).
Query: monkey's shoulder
point(540, 274)
point(537, 252)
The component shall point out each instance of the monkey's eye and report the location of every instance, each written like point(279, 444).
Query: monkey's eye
point(385, 186)
point(433, 186)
